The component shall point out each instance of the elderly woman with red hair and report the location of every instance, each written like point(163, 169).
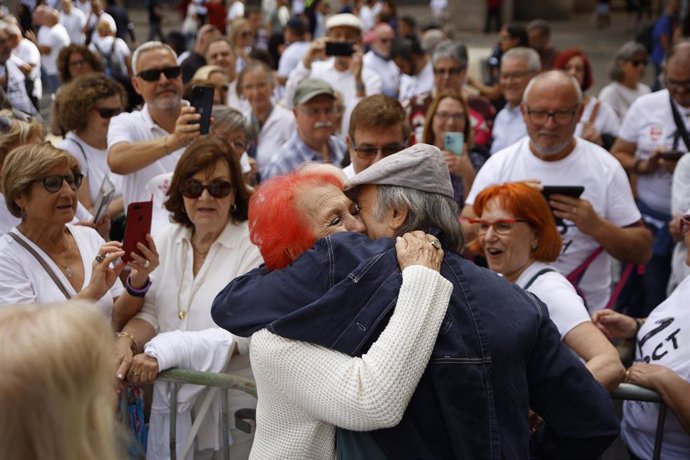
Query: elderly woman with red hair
point(306, 390)
point(518, 236)
point(599, 123)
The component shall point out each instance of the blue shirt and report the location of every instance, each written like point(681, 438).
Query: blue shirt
point(296, 152)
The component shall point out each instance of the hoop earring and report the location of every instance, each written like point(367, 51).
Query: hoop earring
point(233, 208)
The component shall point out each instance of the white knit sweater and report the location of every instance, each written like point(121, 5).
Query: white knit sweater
point(305, 389)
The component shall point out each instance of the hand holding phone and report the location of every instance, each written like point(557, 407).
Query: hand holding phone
point(339, 49)
point(138, 226)
point(672, 155)
point(454, 142)
point(202, 101)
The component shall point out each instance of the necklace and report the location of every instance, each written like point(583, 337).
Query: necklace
point(68, 271)
point(182, 314)
point(197, 251)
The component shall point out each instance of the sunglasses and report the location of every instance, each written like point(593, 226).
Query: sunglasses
point(155, 74)
point(53, 183)
point(108, 112)
point(685, 224)
point(639, 62)
point(368, 151)
point(217, 188)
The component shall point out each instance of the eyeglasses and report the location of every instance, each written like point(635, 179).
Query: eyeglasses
point(53, 183)
point(685, 224)
point(151, 75)
point(639, 62)
point(448, 71)
point(368, 151)
point(561, 117)
point(514, 75)
point(78, 63)
point(314, 112)
point(217, 188)
point(457, 116)
point(106, 112)
point(500, 226)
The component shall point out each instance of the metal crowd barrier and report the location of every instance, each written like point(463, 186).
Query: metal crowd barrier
point(630, 392)
point(625, 391)
point(175, 377)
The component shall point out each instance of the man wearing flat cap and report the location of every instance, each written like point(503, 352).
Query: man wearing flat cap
point(313, 140)
point(496, 355)
point(345, 73)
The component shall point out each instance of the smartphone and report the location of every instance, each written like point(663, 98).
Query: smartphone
point(339, 49)
point(202, 101)
point(672, 155)
point(569, 190)
point(454, 142)
point(138, 225)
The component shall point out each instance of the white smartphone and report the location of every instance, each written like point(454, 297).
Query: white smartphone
point(454, 142)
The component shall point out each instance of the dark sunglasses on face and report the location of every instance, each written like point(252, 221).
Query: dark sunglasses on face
point(217, 188)
point(53, 183)
point(151, 75)
point(108, 112)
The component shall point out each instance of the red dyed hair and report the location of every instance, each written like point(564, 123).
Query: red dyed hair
point(276, 226)
point(566, 55)
point(524, 202)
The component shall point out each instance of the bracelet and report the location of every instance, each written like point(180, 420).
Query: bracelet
point(165, 146)
point(137, 292)
point(133, 345)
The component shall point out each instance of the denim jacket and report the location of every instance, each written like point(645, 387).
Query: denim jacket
point(497, 354)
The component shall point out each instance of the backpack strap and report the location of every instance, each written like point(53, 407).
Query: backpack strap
point(537, 275)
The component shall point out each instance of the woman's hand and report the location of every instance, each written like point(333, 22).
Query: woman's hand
point(103, 275)
point(614, 325)
point(458, 165)
point(144, 369)
point(648, 375)
point(419, 248)
point(123, 356)
point(142, 265)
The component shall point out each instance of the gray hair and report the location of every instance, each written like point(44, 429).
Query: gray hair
point(232, 120)
point(150, 46)
point(425, 210)
point(528, 55)
point(540, 25)
point(450, 49)
point(625, 53)
point(431, 38)
point(553, 74)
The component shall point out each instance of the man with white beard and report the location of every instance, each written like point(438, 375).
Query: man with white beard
point(314, 106)
point(605, 216)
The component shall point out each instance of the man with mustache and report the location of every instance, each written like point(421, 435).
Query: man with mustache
point(314, 103)
point(605, 216)
point(146, 143)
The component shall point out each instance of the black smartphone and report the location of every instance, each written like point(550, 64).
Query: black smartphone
point(138, 225)
point(202, 101)
point(672, 155)
point(339, 49)
point(569, 190)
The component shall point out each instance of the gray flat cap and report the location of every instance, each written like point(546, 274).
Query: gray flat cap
point(420, 167)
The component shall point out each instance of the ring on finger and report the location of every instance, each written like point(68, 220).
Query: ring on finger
point(627, 375)
point(99, 258)
point(436, 243)
point(147, 264)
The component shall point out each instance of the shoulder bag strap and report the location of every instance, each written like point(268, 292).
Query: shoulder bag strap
point(43, 263)
point(537, 275)
point(680, 124)
point(576, 275)
point(86, 158)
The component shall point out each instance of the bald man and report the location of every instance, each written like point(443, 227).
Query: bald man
point(378, 59)
point(604, 216)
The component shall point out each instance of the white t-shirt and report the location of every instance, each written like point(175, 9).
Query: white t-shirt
point(606, 188)
point(138, 126)
point(28, 53)
point(23, 280)
point(566, 308)
point(236, 10)
point(387, 70)
point(620, 97)
point(84, 6)
point(343, 82)
point(92, 23)
point(93, 163)
point(649, 124)
point(291, 57)
point(606, 121)
point(7, 220)
point(56, 38)
point(664, 339)
point(411, 86)
point(103, 46)
point(509, 127)
point(368, 15)
point(74, 24)
point(275, 132)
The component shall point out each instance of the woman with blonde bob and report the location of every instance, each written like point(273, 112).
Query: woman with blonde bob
point(518, 236)
point(56, 393)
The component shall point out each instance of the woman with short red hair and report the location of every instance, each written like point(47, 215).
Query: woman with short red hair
point(518, 236)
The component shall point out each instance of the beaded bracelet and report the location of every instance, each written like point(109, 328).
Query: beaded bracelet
point(133, 345)
point(140, 292)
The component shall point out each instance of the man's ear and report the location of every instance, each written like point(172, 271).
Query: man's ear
point(136, 83)
point(398, 216)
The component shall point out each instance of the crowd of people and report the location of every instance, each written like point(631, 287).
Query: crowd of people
point(408, 261)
